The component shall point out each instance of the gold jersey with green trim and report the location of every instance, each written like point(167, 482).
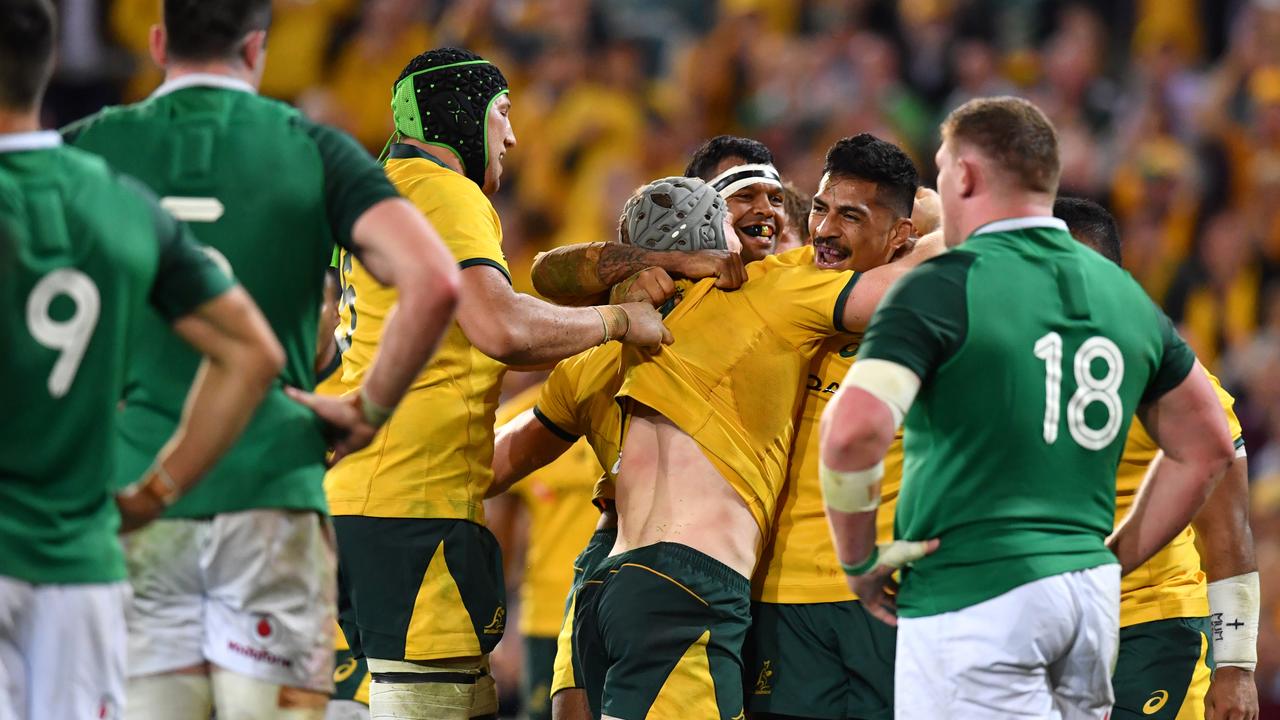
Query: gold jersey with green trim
point(799, 565)
point(1171, 584)
point(733, 377)
point(432, 458)
point(577, 401)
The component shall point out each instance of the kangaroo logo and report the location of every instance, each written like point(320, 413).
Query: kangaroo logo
point(498, 624)
point(763, 684)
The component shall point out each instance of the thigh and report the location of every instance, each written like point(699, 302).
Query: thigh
point(867, 649)
point(270, 580)
point(1081, 677)
point(1161, 672)
point(166, 616)
point(567, 669)
point(17, 602)
point(76, 651)
point(793, 662)
point(539, 660)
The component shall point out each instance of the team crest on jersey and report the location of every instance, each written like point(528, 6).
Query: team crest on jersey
point(764, 683)
point(498, 624)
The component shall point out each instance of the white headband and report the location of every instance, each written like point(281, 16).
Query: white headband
point(739, 176)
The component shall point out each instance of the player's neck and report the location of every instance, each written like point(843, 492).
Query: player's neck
point(991, 211)
point(236, 71)
point(19, 121)
point(445, 157)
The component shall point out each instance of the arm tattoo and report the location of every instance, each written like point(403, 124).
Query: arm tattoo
point(586, 270)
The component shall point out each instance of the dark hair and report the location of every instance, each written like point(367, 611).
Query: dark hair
point(26, 52)
point(867, 157)
point(797, 206)
point(1091, 224)
point(712, 152)
point(200, 30)
point(1014, 134)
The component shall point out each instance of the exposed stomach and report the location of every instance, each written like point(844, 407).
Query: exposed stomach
point(668, 491)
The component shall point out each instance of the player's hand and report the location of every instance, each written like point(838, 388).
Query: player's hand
point(723, 265)
point(877, 590)
point(1233, 695)
point(137, 508)
point(926, 212)
point(652, 285)
point(644, 327)
point(346, 428)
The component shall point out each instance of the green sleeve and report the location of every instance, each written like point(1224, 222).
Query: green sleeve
point(923, 319)
point(187, 275)
point(1176, 360)
point(353, 182)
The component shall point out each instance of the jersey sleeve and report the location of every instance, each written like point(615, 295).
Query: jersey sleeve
point(558, 407)
point(187, 275)
point(1228, 406)
point(924, 316)
point(1176, 360)
point(814, 298)
point(469, 225)
point(353, 182)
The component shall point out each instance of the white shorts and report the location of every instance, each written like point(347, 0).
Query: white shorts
point(1042, 650)
point(62, 650)
point(346, 710)
point(252, 592)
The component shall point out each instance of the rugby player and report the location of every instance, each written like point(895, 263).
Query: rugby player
point(233, 600)
point(1009, 476)
point(795, 228)
point(83, 253)
point(421, 594)
point(1167, 614)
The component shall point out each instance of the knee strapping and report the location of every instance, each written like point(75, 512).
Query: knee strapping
point(437, 689)
point(240, 697)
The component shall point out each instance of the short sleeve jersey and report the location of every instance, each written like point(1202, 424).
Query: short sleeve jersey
point(1170, 584)
point(799, 564)
point(577, 401)
point(557, 499)
point(204, 143)
point(733, 377)
point(83, 253)
point(432, 458)
point(1034, 352)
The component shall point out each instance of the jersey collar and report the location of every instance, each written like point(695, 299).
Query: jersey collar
point(210, 80)
point(405, 151)
point(1022, 223)
point(23, 141)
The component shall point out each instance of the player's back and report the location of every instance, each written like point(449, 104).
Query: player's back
point(1012, 444)
point(254, 180)
point(79, 250)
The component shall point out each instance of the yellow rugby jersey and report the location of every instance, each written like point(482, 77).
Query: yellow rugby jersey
point(432, 459)
point(561, 520)
point(1170, 584)
point(577, 401)
point(799, 565)
point(733, 377)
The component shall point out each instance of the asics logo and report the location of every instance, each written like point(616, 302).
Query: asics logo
point(1155, 702)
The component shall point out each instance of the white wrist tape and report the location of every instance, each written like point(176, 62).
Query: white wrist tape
point(1233, 614)
point(851, 491)
point(890, 383)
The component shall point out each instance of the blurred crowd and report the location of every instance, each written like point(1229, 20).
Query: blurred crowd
point(1168, 112)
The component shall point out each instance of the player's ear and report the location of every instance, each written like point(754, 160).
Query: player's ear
point(968, 176)
point(157, 43)
point(900, 234)
point(253, 51)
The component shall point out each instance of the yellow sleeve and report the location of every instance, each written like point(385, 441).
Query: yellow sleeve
point(558, 407)
point(1228, 405)
point(466, 221)
point(815, 298)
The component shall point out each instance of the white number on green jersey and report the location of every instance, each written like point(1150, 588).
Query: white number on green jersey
point(1089, 390)
point(70, 336)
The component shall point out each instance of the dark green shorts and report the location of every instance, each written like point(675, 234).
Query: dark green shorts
point(1163, 665)
point(350, 677)
point(415, 589)
point(822, 660)
point(568, 667)
point(660, 631)
point(539, 657)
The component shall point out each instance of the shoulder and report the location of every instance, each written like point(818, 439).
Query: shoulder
point(106, 118)
point(949, 270)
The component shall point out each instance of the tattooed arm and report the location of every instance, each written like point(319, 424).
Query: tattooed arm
point(583, 273)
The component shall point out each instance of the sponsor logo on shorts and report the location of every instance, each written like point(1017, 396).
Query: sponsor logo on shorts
point(764, 686)
point(108, 708)
point(498, 624)
point(345, 669)
point(1155, 702)
point(258, 655)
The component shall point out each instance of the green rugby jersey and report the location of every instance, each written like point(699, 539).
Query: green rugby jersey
point(83, 252)
point(1034, 352)
point(272, 192)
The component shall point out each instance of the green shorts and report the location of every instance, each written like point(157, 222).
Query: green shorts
point(821, 660)
point(350, 677)
point(568, 667)
point(539, 657)
point(660, 631)
point(419, 589)
point(1163, 670)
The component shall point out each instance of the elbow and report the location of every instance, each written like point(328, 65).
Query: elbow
point(854, 439)
point(265, 359)
point(508, 343)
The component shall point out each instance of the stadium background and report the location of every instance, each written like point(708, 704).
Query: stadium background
point(1168, 112)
